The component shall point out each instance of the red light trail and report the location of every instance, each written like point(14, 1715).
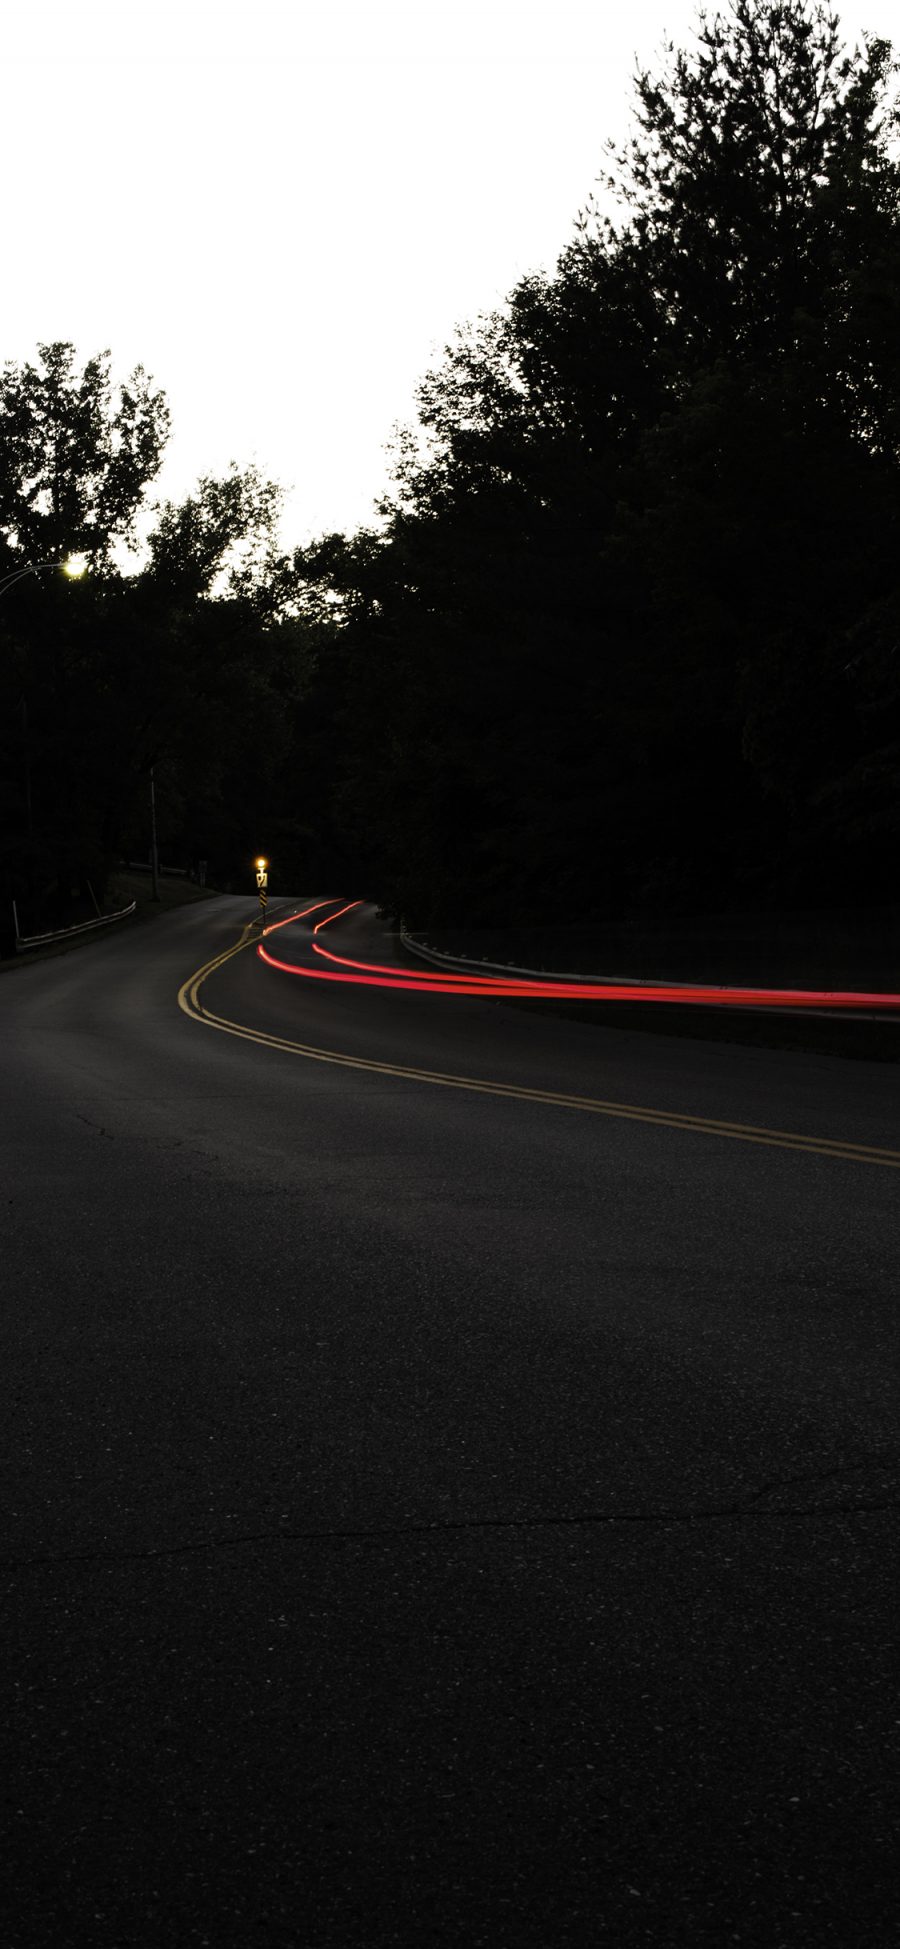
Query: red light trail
point(372, 974)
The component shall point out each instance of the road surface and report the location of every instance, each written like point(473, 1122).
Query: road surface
point(451, 1466)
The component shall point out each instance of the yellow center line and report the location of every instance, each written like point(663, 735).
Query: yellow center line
point(189, 1001)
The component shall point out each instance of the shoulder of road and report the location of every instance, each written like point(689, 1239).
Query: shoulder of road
point(864, 1036)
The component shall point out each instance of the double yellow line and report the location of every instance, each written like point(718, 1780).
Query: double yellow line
point(189, 1001)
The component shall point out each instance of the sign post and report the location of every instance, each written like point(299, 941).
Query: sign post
point(262, 883)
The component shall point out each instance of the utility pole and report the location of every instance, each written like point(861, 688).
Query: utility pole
point(154, 852)
point(26, 754)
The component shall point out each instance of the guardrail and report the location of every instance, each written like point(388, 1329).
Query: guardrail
point(464, 964)
point(25, 941)
point(816, 1005)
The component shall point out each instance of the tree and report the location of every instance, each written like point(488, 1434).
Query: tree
point(189, 671)
point(617, 641)
point(76, 458)
point(763, 192)
point(178, 663)
point(222, 538)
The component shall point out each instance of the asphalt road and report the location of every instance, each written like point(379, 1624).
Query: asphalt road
point(438, 1512)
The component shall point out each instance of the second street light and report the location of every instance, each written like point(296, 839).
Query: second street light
point(262, 883)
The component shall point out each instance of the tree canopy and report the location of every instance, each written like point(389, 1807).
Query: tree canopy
point(75, 459)
point(186, 663)
point(619, 637)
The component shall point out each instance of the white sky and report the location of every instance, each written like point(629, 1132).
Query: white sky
point(283, 208)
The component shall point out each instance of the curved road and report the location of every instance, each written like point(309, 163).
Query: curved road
point(452, 1466)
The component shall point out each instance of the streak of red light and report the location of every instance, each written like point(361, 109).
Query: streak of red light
point(273, 925)
point(375, 975)
point(341, 910)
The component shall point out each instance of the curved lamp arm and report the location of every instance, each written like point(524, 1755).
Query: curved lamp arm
point(72, 564)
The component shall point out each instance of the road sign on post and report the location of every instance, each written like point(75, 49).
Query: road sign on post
point(262, 882)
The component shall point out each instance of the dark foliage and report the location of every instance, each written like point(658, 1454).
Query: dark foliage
point(628, 637)
point(185, 667)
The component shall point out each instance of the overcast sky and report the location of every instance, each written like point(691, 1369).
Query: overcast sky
point(282, 208)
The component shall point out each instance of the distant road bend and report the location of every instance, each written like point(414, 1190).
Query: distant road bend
point(452, 1460)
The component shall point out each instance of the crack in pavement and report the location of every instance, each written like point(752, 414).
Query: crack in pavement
point(728, 1512)
point(840, 1473)
point(95, 1126)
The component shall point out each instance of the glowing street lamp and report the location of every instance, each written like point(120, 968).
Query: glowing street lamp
point(74, 566)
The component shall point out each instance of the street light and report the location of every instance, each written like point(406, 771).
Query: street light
point(72, 565)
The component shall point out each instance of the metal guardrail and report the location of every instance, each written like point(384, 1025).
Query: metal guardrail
point(463, 964)
point(466, 964)
point(25, 941)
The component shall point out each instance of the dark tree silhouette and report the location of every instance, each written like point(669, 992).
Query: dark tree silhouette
point(619, 638)
point(75, 461)
point(180, 664)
